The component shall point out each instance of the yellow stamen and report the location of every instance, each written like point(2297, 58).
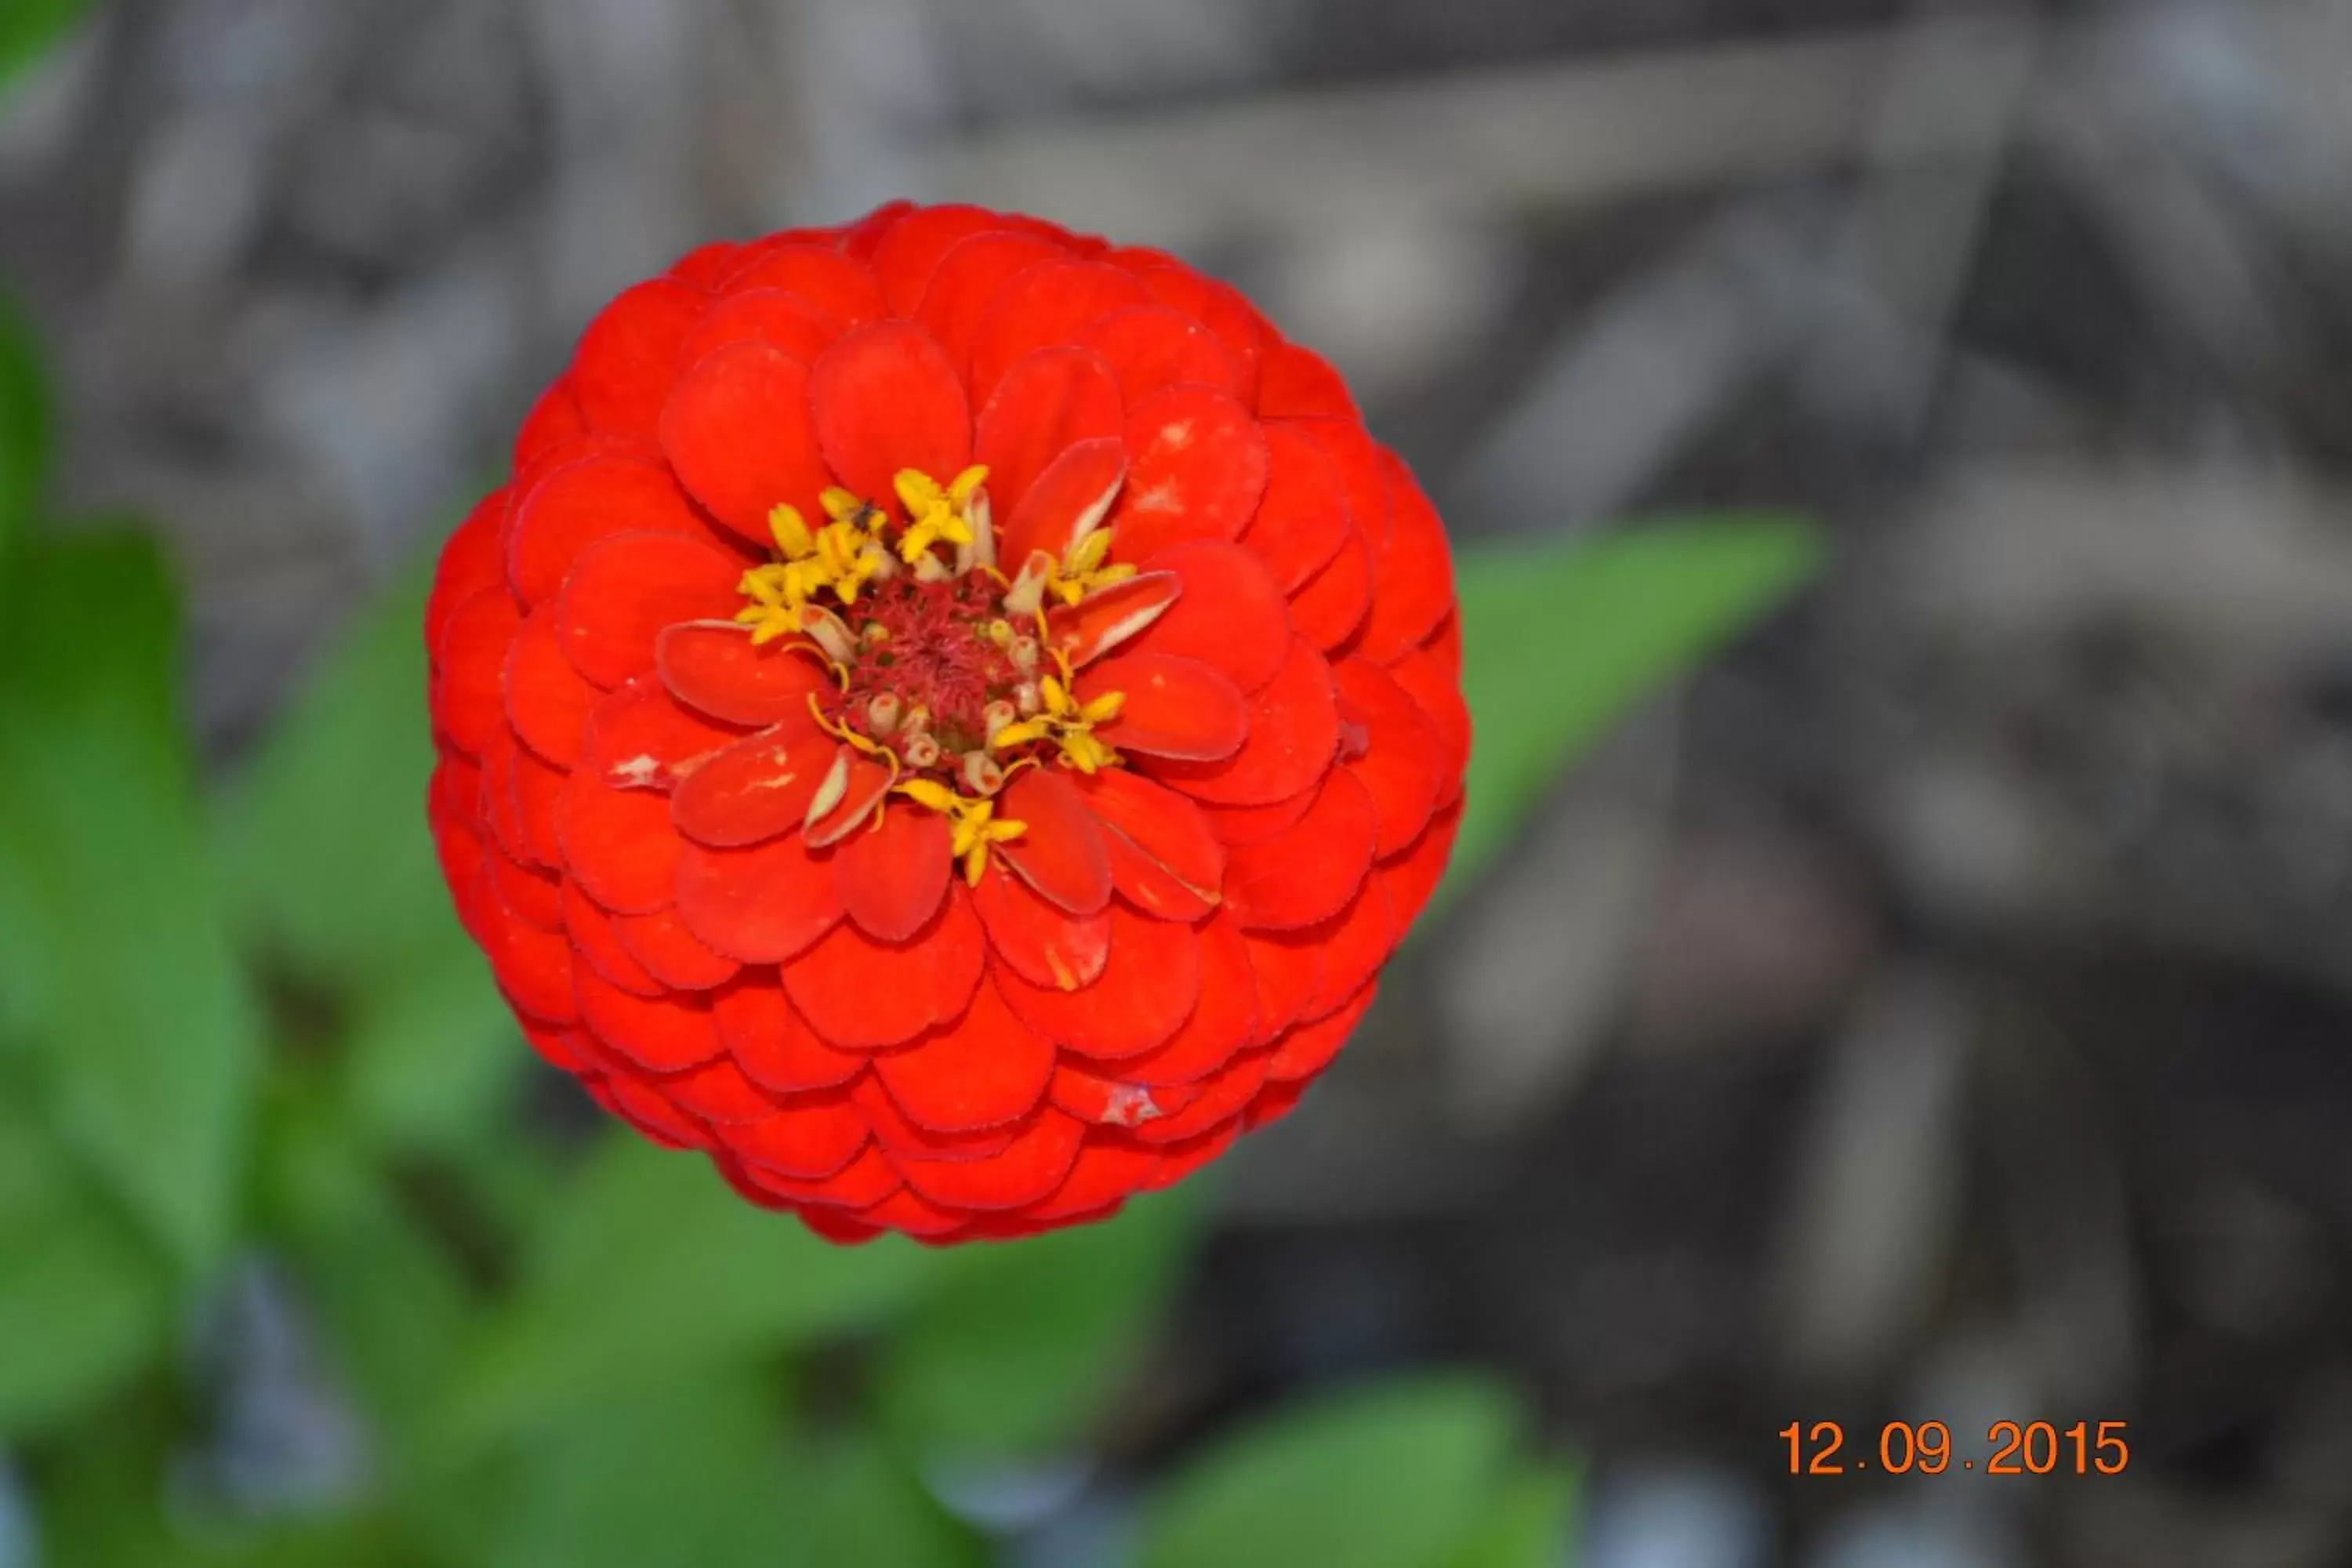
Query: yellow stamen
point(974, 824)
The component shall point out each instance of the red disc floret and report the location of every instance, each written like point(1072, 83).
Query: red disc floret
point(947, 718)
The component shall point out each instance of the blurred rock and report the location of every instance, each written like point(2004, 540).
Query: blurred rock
point(1877, 1195)
point(1664, 1518)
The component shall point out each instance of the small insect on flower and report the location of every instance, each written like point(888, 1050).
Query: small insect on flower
point(947, 718)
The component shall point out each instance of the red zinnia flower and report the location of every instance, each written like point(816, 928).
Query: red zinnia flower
point(947, 718)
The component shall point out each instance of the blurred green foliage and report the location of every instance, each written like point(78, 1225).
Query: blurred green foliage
point(28, 29)
point(248, 1026)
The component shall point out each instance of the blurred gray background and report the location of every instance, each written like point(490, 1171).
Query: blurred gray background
point(1936, 1011)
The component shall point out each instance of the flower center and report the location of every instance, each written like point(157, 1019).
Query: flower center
point(945, 666)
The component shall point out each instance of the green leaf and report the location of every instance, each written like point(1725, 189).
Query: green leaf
point(1560, 638)
point(331, 867)
point(850, 1500)
point(24, 417)
point(652, 1268)
point(396, 1309)
point(1389, 1477)
point(689, 1475)
point(1526, 1521)
point(1020, 1345)
point(29, 27)
point(119, 973)
point(428, 1064)
point(86, 1305)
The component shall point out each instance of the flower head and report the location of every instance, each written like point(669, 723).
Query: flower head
point(947, 718)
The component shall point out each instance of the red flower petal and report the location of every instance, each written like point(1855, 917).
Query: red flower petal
point(495, 805)
point(714, 666)
point(1275, 1101)
point(817, 1135)
point(1289, 972)
point(572, 507)
point(643, 739)
point(862, 1182)
point(1042, 305)
point(672, 953)
point(1216, 306)
point(618, 844)
point(1400, 765)
point(1196, 466)
point(1062, 502)
point(839, 1229)
point(1413, 575)
point(1232, 612)
point(644, 1108)
point(1166, 827)
point(553, 421)
point(1106, 1170)
point(1303, 520)
point(1293, 735)
point(1235, 826)
point(1044, 404)
point(866, 781)
point(1173, 706)
point(1110, 617)
point(823, 276)
point(1354, 944)
point(1308, 1049)
point(900, 1138)
point(1363, 472)
point(1439, 693)
point(719, 1093)
point(861, 240)
point(625, 589)
point(773, 1043)
point(861, 993)
point(628, 355)
point(663, 1033)
point(564, 1049)
point(548, 702)
point(1151, 348)
point(1298, 381)
point(1114, 1101)
point(1148, 987)
point(530, 895)
point(1217, 1098)
point(706, 265)
point(535, 786)
point(640, 737)
point(1036, 1162)
point(1041, 943)
point(474, 559)
point(591, 932)
point(1061, 852)
point(1411, 876)
point(1225, 1022)
point(955, 304)
point(757, 789)
point(1151, 887)
point(788, 323)
point(892, 877)
point(1177, 1161)
point(468, 695)
point(910, 1213)
point(911, 252)
point(1329, 610)
point(888, 399)
point(740, 430)
point(984, 1070)
point(533, 967)
point(1311, 872)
